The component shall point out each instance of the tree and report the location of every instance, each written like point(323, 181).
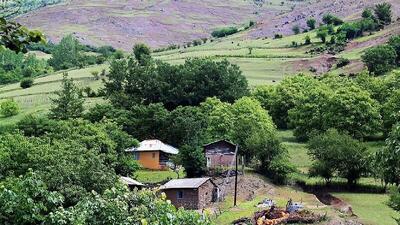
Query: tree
point(69, 101)
point(394, 41)
point(387, 159)
point(141, 52)
point(311, 23)
point(368, 14)
point(331, 19)
point(16, 37)
point(26, 83)
point(383, 13)
point(338, 153)
point(193, 160)
point(380, 59)
point(391, 111)
point(296, 29)
point(394, 201)
point(9, 108)
point(322, 34)
point(307, 40)
point(189, 84)
point(66, 54)
point(26, 200)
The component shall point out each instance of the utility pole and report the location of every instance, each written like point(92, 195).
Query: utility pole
point(236, 175)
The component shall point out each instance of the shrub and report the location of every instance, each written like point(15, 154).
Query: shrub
point(380, 59)
point(9, 108)
point(223, 32)
point(383, 13)
point(395, 43)
point(311, 23)
point(331, 19)
point(26, 83)
point(342, 62)
point(307, 40)
point(296, 29)
point(278, 36)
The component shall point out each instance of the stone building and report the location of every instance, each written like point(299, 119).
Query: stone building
point(219, 153)
point(195, 193)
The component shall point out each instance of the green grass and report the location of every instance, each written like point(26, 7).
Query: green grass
point(370, 208)
point(150, 176)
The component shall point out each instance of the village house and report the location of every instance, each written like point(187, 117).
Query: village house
point(194, 193)
point(131, 183)
point(153, 154)
point(219, 153)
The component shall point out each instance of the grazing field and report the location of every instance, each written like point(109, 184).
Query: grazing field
point(36, 99)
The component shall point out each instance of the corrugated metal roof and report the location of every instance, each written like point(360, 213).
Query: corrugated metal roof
point(130, 181)
point(154, 145)
point(185, 183)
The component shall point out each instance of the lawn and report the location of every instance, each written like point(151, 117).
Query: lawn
point(152, 176)
point(370, 208)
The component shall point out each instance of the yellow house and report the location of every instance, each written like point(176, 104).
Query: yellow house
point(153, 154)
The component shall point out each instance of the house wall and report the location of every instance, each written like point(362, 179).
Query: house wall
point(216, 160)
point(205, 195)
point(190, 198)
point(147, 160)
point(199, 198)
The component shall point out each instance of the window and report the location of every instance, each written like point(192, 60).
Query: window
point(154, 155)
point(180, 194)
point(136, 155)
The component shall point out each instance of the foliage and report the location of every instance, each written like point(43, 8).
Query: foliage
point(69, 101)
point(336, 153)
point(9, 108)
point(115, 207)
point(387, 160)
point(223, 32)
point(16, 37)
point(380, 59)
point(193, 160)
point(394, 41)
point(17, 66)
point(307, 40)
point(383, 13)
point(296, 29)
point(131, 83)
point(311, 23)
point(342, 62)
point(391, 111)
point(26, 83)
point(141, 53)
point(278, 100)
point(66, 54)
point(26, 200)
point(394, 201)
point(322, 34)
point(331, 19)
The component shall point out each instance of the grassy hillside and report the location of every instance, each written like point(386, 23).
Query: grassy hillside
point(155, 22)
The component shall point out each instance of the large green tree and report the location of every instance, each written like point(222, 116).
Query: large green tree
point(387, 160)
point(66, 54)
point(132, 83)
point(335, 153)
point(69, 101)
point(380, 59)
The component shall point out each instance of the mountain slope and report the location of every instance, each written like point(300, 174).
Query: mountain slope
point(155, 22)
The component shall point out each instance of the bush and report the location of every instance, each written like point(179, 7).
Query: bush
point(383, 13)
point(278, 36)
point(26, 83)
point(331, 19)
point(395, 43)
point(380, 59)
point(9, 108)
point(311, 23)
point(223, 32)
point(296, 29)
point(307, 40)
point(342, 62)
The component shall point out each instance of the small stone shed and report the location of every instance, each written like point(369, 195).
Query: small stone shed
point(194, 193)
point(219, 153)
point(131, 183)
